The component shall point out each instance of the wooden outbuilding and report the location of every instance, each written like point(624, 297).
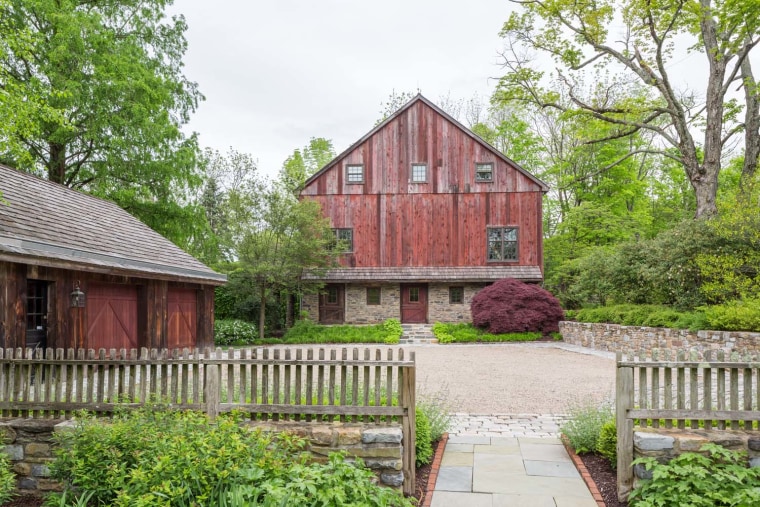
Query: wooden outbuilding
point(78, 271)
point(429, 213)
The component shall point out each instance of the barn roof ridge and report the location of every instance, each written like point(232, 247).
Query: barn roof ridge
point(57, 226)
point(421, 98)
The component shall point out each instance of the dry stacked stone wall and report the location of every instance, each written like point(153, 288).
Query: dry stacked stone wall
point(615, 338)
point(30, 444)
point(665, 444)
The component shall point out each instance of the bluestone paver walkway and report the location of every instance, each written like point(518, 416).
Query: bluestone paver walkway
point(508, 461)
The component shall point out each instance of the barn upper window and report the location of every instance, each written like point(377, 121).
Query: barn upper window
point(419, 173)
point(484, 171)
point(354, 173)
point(502, 243)
point(344, 237)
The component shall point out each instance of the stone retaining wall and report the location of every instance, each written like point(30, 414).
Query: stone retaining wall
point(29, 443)
point(665, 444)
point(615, 338)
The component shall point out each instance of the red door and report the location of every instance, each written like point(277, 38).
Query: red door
point(332, 304)
point(111, 316)
point(413, 303)
point(183, 311)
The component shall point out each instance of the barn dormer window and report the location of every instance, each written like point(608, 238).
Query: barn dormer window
point(483, 172)
point(355, 173)
point(419, 173)
point(345, 239)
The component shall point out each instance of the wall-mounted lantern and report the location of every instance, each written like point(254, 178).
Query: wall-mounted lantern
point(77, 297)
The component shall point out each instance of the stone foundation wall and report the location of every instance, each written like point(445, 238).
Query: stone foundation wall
point(310, 306)
point(29, 443)
point(665, 444)
point(615, 338)
point(359, 312)
point(439, 308)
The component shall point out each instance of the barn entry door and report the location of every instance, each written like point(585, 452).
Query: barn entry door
point(332, 304)
point(112, 317)
point(36, 314)
point(413, 303)
point(183, 311)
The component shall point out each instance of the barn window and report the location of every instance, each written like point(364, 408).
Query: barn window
point(373, 295)
point(332, 294)
point(346, 238)
point(456, 295)
point(484, 172)
point(355, 173)
point(502, 243)
point(419, 173)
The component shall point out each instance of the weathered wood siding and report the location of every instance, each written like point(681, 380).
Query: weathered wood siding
point(441, 222)
point(148, 326)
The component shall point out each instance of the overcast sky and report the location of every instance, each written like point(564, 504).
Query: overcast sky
point(278, 72)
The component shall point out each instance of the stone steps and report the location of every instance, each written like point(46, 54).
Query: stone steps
point(417, 334)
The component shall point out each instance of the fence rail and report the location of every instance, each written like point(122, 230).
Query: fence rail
point(266, 383)
point(711, 389)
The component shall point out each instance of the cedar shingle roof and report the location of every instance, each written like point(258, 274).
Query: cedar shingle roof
point(47, 224)
point(430, 274)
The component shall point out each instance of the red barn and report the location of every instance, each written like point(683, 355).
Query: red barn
point(429, 214)
point(77, 271)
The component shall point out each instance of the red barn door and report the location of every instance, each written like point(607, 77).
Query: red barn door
point(183, 311)
point(413, 303)
point(332, 304)
point(111, 316)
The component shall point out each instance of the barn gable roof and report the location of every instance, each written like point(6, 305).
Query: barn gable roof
point(43, 223)
point(419, 98)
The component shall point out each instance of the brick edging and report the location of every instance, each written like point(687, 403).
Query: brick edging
point(590, 484)
point(427, 498)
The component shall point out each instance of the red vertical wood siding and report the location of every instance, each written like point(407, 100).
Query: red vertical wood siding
point(441, 222)
point(182, 322)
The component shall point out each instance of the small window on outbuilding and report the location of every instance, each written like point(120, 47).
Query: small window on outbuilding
point(354, 173)
point(419, 173)
point(373, 295)
point(456, 295)
point(484, 172)
point(502, 243)
point(346, 238)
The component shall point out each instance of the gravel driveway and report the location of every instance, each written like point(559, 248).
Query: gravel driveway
point(514, 378)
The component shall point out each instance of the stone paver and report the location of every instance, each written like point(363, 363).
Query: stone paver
point(503, 460)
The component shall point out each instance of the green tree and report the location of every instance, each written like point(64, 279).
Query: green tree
point(303, 163)
point(97, 99)
point(578, 36)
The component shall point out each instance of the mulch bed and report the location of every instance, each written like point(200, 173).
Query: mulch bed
point(25, 501)
point(604, 477)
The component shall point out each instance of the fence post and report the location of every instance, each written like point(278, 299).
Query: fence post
point(624, 403)
point(408, 426)
point(211, 386)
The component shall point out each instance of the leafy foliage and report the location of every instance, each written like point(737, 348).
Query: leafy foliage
point(158, 457)
point(424, 439)
point(437, 408)
point(510, 306)
point(7, 479)
point(584, 425)
point(467, 333)
point(641, 315)
point(606, 444)
point(239, 332)
point(739, 315)
point(715, 477)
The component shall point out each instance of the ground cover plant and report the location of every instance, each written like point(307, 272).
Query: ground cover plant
point(714, 477)
point(160, 457)
point(241, 333)
point(586, 424)
point(7, 479)
point(511, 306)
point(467, 333)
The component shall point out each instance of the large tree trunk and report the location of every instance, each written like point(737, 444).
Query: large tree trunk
point(289, 311)
point(57, 163)
point(262, 310)
point(705, 186)
point(751, 123)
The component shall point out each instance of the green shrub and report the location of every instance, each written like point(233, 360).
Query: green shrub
point(437, 410)
point(467, 333)
point(235, 332)
point(393, 329)
point(606, 444)
point(641, 315)
point(306, 331)
point(717, 477)
point(424, 442)
point(7, 479)
point(739, 315)
point(156, 457)
point(584, 426)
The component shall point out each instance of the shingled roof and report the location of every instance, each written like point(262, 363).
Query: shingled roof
point(46, 224)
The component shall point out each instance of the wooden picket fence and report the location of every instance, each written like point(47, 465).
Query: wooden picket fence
point(713, 389)
point(266, 383)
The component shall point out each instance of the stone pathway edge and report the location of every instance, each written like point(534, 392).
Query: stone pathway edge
point(427, 498)
point(590, 484)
